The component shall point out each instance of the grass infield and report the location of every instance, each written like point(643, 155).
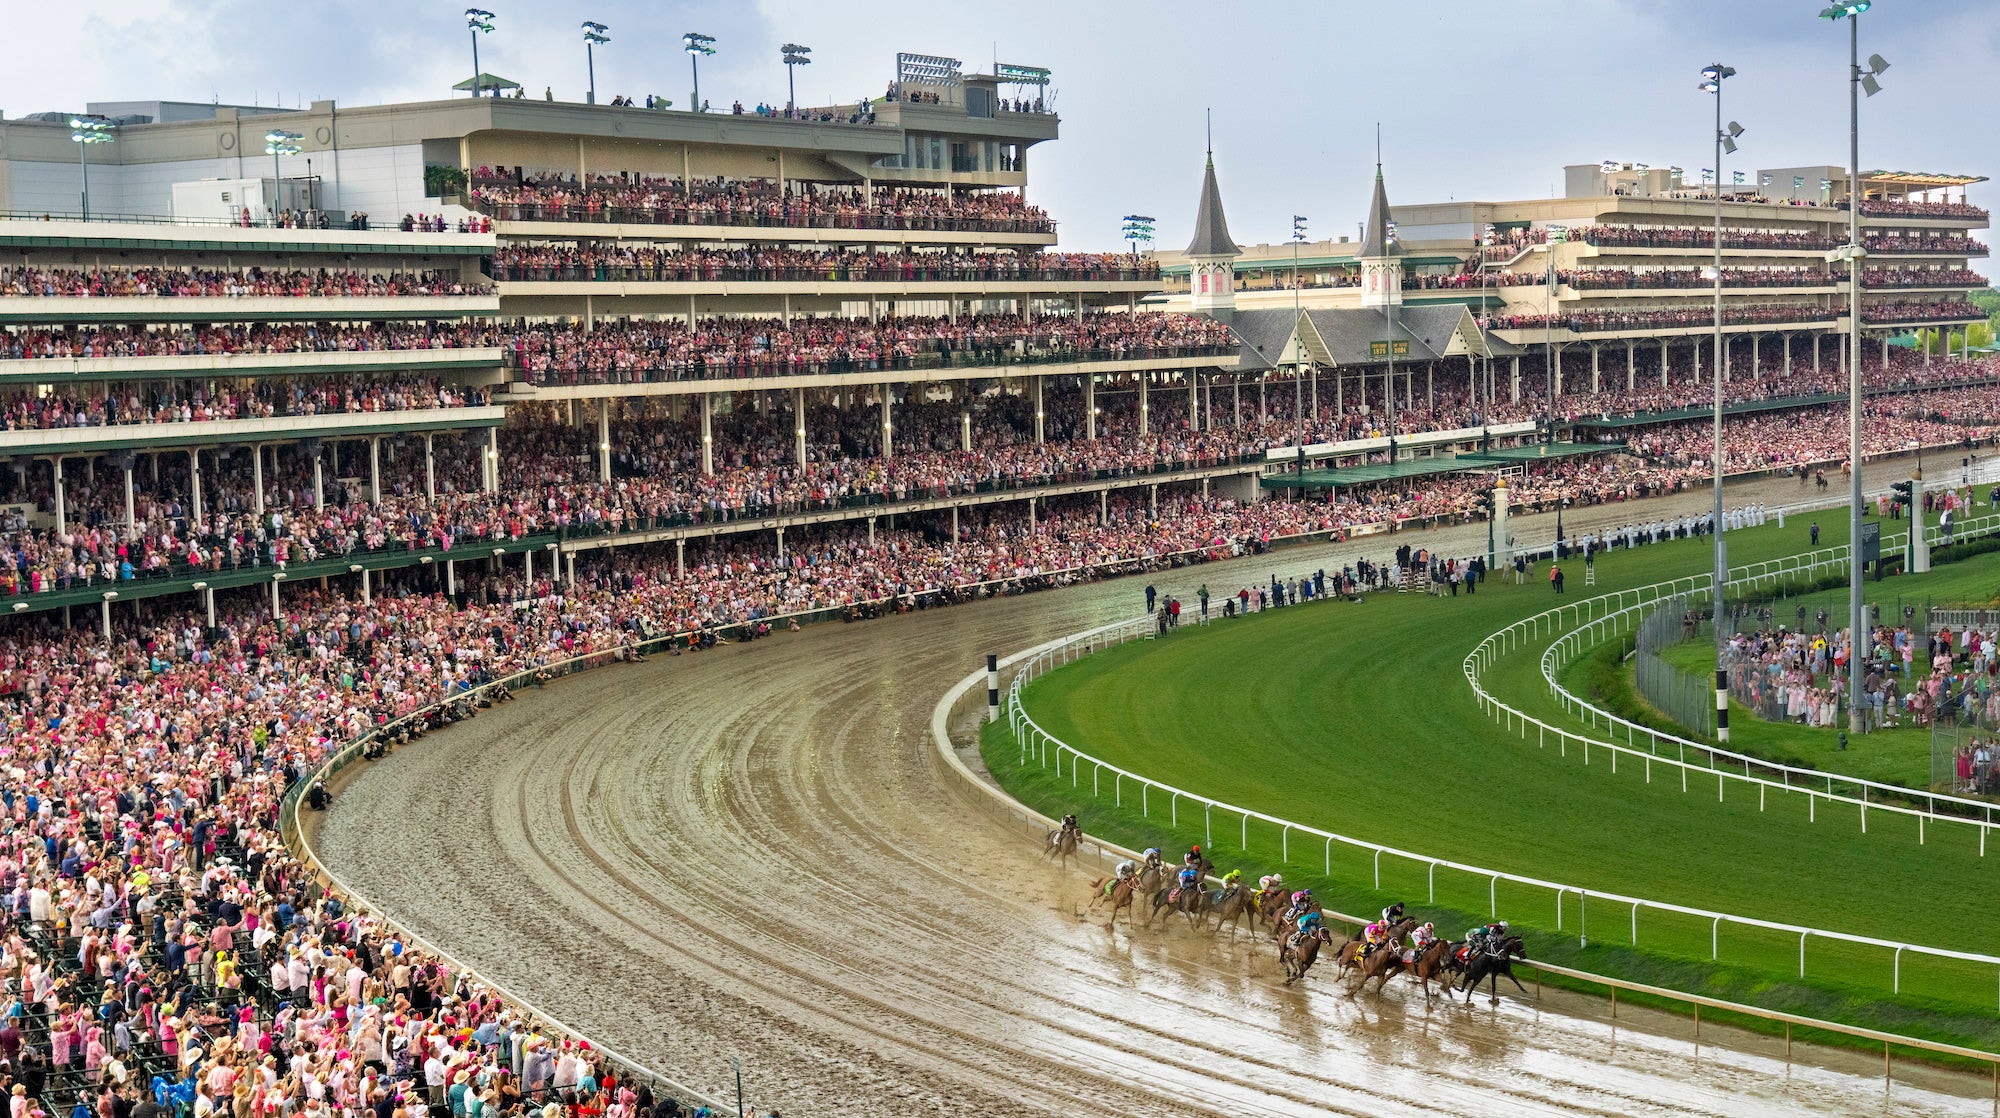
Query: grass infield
point(1356, 718)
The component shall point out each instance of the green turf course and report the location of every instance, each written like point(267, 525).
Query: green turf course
point(1357, 719)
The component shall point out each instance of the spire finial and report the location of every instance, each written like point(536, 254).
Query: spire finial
point(1209, 115)
point(1378, 149)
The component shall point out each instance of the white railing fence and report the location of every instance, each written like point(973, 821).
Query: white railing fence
point(1839, 952)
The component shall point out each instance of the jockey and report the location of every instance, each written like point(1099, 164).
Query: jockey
point(1069, 823)
point(1231, 880)
point(1188, 876)
point(1393, 914)
point(1152, 857)
point(1372, 937)
point(1309, 926)
point(1124, 873)
point(1423, 937)
point(1192, 859)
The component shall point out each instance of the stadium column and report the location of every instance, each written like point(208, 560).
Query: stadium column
point(106, 603)
point(781, 541)
point(1786, 368)
point(430, 468)
point(375, 469)
point(1697, 363)
point(1153, 498)
point(1756, 357)
point(493, 459)
point(1663, 362)
point(62, 517)
point(257, 477)
point(799, 426)
point(367, 588)
point(888, 423)
point(1236, 401)
point(277, 606)
point(1145, 409)
point(130, 523)
point(1194, 398)
point(1031, 516)
point(1596, 380)
point(194, 479)
point(954, 524)
point(1430, 388)
point(1090, 406)
point(1208, 402)
point(1631, 365)
point(680, 558)
point(604, 439)
point(707, 434)
point(319, 480)
point(1816, 338)
point(1885, 349)
point(1040, 414)
point(1103, 507)
point(1514, 379)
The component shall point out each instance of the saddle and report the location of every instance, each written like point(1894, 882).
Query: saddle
point(1173, 894)
point(1463, 954)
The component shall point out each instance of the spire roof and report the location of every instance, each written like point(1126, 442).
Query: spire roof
point(1375, 239)
point(1211, 228)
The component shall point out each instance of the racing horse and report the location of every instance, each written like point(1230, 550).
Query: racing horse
point(1492, 964)
point(1298, 960)
point(1192, 902)
point(1383, 963)
point(1433, 962)
point(1062, 841)
point(1233, 906)
point(1118, 893)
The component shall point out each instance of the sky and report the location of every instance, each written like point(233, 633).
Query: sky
point(1475, 98)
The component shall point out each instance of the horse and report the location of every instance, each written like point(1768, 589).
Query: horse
point(1298, 960)
point(1062, 842)
point(1120, 894)
point(1234, 905)
point(1432, 962)
point(1270, 905)
point(1493, 963)
point(1385, 961)
point(1191, 902)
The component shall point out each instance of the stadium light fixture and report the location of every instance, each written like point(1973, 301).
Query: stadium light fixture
point(696, 45)
point(594, 33)
point(479, 21)
point(83, 132)
point(278, 142)
point(795, 57)
point(1713, 75)
point(1138, 227)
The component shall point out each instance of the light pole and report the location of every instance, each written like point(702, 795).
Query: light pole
point(696, 44)
point(1298, 350)
point(278, 142)
point(478, 21)
point(83, 132)
point(1713, 75)
point(593, 34)
point(1858, 80)
point(795, 57)
point(1485, 242)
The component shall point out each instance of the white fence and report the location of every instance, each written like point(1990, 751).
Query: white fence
point(1033, 826)
point(1569, 900)
point(1726, 765)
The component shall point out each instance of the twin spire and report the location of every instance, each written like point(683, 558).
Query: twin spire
point(1211, 227)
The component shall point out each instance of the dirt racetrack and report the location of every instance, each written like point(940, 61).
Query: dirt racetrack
point(749, 852)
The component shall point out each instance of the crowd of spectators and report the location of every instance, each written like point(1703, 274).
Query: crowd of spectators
point(1921, 277)
point(102, 405)
point(649, 350)
point(750, 202)
point(1789, 440)
point(1587, 321)
point(592, 261)
point(1659, 236)
point(1905, 207)
point(211, 282)
point(1598, 279)
point(1883, 242)
point(1921, 310)
point(87, 341)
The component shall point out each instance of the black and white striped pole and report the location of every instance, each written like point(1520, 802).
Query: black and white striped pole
point(992, 687)
point(1721, 703)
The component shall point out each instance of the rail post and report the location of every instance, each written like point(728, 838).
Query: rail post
point(992, 686)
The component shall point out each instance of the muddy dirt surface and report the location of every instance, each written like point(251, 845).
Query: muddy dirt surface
point(750, 852)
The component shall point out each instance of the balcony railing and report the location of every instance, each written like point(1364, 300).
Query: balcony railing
point(667, 372)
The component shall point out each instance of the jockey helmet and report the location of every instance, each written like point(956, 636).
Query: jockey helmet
point(1277, 879)
point(1298, 898)
point(1431, 929)
point(1501, 927)
point(1152, 852)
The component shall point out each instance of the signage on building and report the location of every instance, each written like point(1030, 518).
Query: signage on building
point(1384, 349)
point(1021, 75)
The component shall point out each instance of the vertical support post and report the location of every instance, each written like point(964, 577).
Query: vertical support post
point(375, 469)
point(799, 426)
point(993, 686)
point(708, 434)
point(604, 439)
point(430, 468)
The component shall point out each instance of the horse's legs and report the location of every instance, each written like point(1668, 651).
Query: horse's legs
point(1515, 981)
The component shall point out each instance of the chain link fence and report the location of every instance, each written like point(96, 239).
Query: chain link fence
point(1684, 696)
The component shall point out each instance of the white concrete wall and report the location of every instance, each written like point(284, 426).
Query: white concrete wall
point(385, 182)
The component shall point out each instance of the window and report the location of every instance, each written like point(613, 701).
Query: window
point(978, 102)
